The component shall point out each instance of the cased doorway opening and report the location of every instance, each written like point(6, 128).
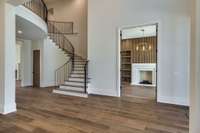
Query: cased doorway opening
point(138, 63)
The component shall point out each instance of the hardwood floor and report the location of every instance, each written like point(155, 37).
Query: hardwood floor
point(139, 91)
point(40, 111)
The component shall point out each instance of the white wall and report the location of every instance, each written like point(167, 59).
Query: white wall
point(18, 53)
point(73, 11)
point(51, 59)
point(26, 63)
point(18, 61)
point(105, 18)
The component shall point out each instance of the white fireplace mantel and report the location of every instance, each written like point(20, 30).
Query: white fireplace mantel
point(136, 73)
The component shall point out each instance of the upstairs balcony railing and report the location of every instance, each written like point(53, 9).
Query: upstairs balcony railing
point(38, 7)
point(59, 27)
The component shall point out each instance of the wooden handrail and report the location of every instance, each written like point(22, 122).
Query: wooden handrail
point(61, 27)
point(85, 76)
point(60, 21)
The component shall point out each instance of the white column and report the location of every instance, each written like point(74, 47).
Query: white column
point(195, 71)
point(7, 58)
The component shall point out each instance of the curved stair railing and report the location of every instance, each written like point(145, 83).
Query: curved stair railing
point(86, 78)
point(60, 39)
point(62, 73)
point(57, 32)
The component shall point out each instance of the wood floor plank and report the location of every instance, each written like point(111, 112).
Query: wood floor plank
point(41, 111)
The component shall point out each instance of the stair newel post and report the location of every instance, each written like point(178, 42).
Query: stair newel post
point(63, 42)
point(73, 59)
point(85, 76)
point(56, 78)
point(52, 28)
point(64, 73)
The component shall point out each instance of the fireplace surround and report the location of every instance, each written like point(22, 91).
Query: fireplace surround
point(144, 74)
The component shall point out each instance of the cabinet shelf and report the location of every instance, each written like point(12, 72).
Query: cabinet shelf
point(126, 76)
point(126, 56)
point(126, 70)
point(126, 63)
point(126, 66)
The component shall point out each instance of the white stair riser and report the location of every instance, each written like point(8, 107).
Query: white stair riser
point(79, 65)
point(71, 93)
point(79, 72)
point(77, 75)
point(69, 88)
point(74, 83)
point(76, 79)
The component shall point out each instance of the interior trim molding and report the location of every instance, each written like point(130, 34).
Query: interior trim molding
point(9, 108)
point(100, 92)
point(173, 100)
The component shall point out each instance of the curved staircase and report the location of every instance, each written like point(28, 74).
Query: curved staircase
point(72, 77)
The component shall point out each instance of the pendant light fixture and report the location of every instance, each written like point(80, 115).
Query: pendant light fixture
point(143, 46)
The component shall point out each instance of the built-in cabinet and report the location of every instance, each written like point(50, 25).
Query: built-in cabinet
point(126, 66)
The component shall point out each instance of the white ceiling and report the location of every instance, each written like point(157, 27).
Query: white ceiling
point(30, 31)
point(139, 32)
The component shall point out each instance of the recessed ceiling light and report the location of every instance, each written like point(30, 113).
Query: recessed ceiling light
point(19, 32)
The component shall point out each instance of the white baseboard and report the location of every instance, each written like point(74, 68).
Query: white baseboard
point(100, 92)
point(6, 109)
point(173, 100)
point(47, 84)
point(23, 84)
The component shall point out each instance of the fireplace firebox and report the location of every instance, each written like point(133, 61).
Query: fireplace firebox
point(144, 74)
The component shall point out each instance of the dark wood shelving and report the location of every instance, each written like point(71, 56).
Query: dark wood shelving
point(126, 66)
point(125, 70)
